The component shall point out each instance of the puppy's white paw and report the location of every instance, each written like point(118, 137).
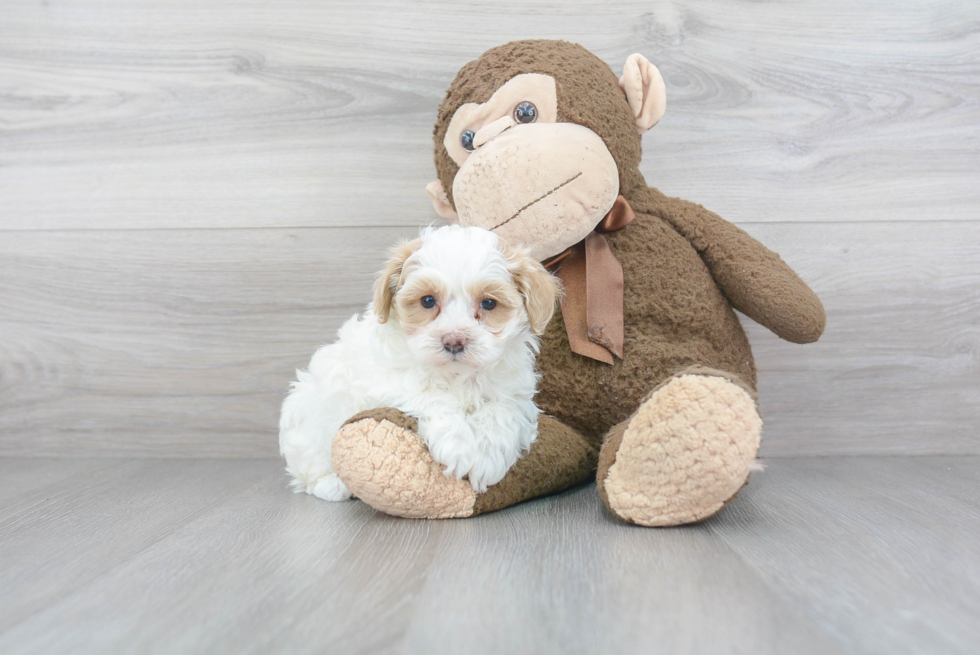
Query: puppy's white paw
point(451, 443)
point(457, 463)
point(487, 471)
point(329, 487)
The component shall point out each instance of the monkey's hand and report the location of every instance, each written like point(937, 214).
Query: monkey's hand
point(753, 278)
point(380, 457)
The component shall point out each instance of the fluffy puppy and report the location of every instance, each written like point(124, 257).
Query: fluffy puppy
point(450, 339)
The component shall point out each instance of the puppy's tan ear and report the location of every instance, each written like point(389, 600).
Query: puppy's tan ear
point(539, 288)
point(390, 279)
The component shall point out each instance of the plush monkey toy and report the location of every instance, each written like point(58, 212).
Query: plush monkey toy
point(648, 380)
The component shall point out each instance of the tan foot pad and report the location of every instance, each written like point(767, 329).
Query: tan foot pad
point(390, 469)
point(685, 453)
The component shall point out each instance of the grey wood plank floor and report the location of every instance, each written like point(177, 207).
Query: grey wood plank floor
point(819, 555)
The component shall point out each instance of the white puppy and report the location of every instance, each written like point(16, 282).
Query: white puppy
point(449, 339)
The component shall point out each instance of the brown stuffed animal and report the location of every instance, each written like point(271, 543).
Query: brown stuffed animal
point(648, 379)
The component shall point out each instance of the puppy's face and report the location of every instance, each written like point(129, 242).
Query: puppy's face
point(462, 294)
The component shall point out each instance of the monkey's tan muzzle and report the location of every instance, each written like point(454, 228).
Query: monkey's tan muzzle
point(545, 185)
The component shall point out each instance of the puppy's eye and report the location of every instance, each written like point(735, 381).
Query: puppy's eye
point(488, 304)
point(525, 112)
point(466, 140)
point(428, 302)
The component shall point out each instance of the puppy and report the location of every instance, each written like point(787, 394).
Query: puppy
point(450, 339)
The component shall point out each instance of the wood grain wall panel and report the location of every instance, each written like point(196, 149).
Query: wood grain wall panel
point(192, 197)
point(177, 114)
point(898, 368)
point(182, 342)
point(170, 342)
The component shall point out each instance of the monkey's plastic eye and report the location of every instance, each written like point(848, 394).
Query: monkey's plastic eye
point(428, 302)
point(466, 139)
point(488, 304)
point(525, 112)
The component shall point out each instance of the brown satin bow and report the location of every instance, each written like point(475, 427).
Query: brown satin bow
point(593, 279)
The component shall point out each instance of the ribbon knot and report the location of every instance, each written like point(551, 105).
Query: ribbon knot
point(593, 280)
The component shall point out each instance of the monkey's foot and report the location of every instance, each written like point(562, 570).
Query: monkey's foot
point(684, 453)
point(380, 457)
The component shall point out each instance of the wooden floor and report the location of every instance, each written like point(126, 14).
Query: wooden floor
point(819, 555)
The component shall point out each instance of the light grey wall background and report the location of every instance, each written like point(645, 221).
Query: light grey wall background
point(194, 195)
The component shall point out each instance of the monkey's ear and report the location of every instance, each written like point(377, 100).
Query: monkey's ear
point(645, 91)
point(437, 194)
point(390, 279)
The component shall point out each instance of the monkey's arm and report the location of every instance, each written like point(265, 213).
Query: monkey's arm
point(753, 278)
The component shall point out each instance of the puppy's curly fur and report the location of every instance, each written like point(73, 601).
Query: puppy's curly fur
point(451, 339)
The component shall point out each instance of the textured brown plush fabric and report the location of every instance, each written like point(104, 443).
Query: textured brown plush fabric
point(684, 267)
point(754, 279)
point(675, 316)
point(607, 455)
point(588, 94)
point(387, 414)
point(684, 270)
point(416, 486)
point(559, 459)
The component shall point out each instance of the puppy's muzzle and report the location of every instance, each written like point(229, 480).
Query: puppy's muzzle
point(454, 343)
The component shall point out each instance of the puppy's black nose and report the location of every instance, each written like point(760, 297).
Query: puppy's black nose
point(453, 343)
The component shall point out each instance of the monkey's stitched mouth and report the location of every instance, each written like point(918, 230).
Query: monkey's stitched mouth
point(537, 200)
